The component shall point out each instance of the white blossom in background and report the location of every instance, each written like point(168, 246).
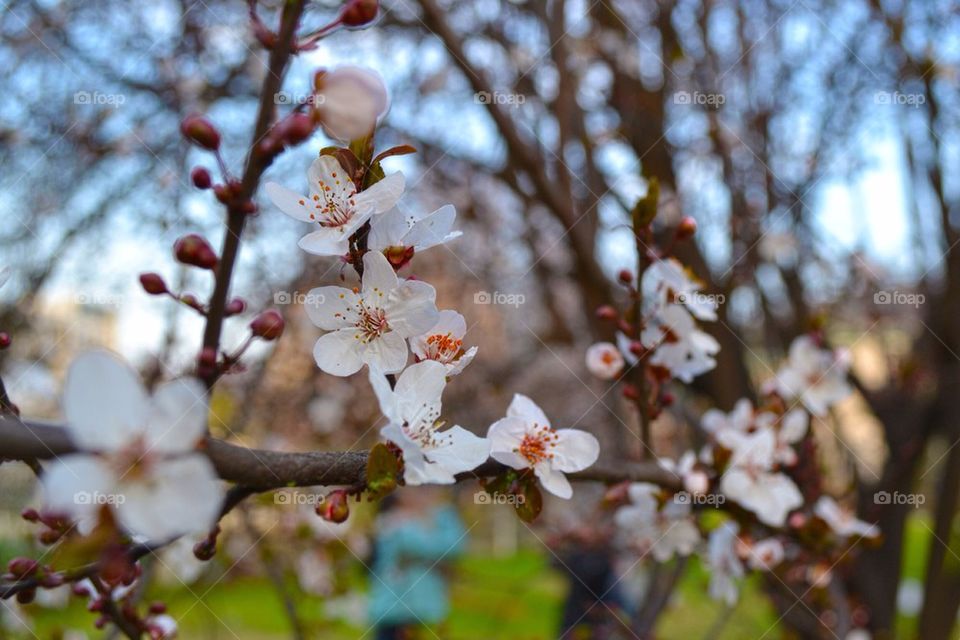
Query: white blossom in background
point(726, 569)
point(142, 459)
point(398, 230)
point(349, 101)
point(370, 326)
point(443, 343)
point(765, 555)
point(815, 376)
point(739, 420)
point(679, 345)
point(791, 428)
point(430, 456)
point(842, 521)
point(4, 275)
point(751, 481)
point(623, 344)
point(604, 360)
point(662, 531)
point(694, 481)
point(524, 439)
point(666, 282)
point(334, 205)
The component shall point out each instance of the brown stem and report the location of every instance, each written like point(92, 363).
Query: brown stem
point(256, 164)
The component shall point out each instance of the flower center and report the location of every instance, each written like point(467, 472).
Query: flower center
point(372, 323)
point(537, 443)
point(443, 347)
point(332, 211)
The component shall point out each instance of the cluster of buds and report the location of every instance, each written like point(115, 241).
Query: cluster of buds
point(289, 132)
point(56, 525)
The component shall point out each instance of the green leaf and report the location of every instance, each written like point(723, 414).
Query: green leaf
point(646, 208)
point(383, 469)
point(532, 503)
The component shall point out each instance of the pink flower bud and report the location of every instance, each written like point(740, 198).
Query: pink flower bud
point(5, 340)
point(335, 507)
point(235, 306)
point(296, 128)
point(357, 13)
point(268, 325)
point(194, 250)
point(200, 132)
point(21, 567)
point(30, 515)
point(153, 284)
point(606, 312)
point(201, 178)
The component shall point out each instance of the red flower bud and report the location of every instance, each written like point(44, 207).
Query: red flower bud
point(686, 228)
point(157, 608)
point(5, 340)
point(21, 567)
point(200, 132)
point(194, 250)
point(357, 13)
point(606, 312)
point(201, 178)
point(153, 284)
point(335, 507)
point(296, 128)
point(205, 549)
point(235, 306)
point(637, 348)
point(625, 276)
point(268, 325)
point(30, 515)
point(630, 392)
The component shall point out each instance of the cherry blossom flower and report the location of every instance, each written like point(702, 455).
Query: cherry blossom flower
point(370, 326)
point(751, 481)
point(818, 377)
point(443, 342)
point(430, 456)
point(842, 521)
point(350, 100)
point(661, 531)
point(334, 205)
point(604, 360)
point(725, 565)
point(765, 555)
point(665, 282)
point(679, 345)
point(740, 419)
point(694, 480)
point(396, 230)
point(142, 461)
point(524, 439)
point(792, 427)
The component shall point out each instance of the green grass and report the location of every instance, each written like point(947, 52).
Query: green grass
point(516, 598)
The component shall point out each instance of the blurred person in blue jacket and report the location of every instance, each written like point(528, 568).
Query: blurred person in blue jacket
point(417, 537)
